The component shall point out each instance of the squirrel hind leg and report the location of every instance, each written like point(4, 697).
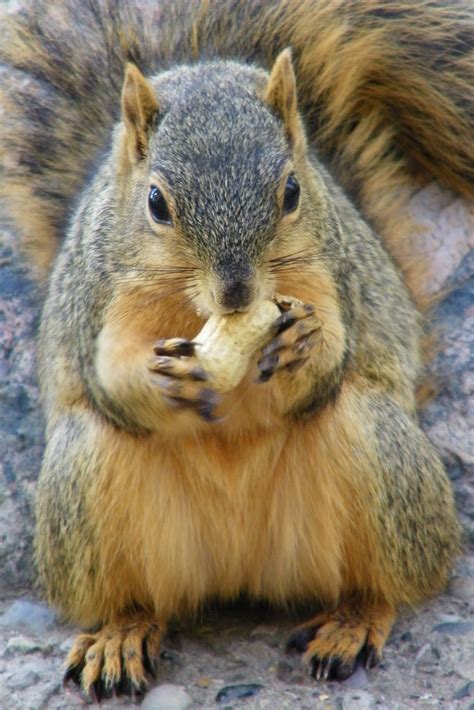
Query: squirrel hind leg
point(116, 660)
point(334, 643)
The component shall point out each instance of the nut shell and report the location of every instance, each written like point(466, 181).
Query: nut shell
point(227, 344)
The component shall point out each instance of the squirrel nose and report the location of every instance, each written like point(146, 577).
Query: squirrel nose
point(235, 295)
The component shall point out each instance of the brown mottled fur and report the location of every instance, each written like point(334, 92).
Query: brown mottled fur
point(317, 485)
point(385, 88)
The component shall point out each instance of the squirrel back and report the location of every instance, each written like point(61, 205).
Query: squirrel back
point(385, 90)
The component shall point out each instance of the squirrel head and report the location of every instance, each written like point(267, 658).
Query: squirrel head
point(214, 169)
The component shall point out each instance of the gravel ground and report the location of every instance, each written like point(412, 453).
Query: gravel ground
point(429, 660)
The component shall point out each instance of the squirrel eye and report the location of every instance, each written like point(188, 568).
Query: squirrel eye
point(158, 207)
point(292, 195)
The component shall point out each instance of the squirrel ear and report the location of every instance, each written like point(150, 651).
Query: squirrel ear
point(280, 93)
point(139, 108)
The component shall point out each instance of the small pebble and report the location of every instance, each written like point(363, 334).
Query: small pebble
point(284, 670)
point(421, 653)
point(236, 692)
point(291, 671)
point(358, 700)
point(461, 587)
point(204, 682)
point(357, 680)
point(460, 628)
point(23, 644)
point(167, 697)
point(448, 618)
point(464, 692)
point(172, 657)
point(29, 616)
point(66, 645)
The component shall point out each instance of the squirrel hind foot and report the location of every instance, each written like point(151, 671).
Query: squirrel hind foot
point(335, 643)
point(117, 660)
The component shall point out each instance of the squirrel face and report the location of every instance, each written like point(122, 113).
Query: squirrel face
point(221, 157)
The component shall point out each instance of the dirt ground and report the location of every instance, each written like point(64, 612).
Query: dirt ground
point(428, 662)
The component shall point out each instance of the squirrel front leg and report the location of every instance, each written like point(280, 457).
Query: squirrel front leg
point(399, 534)
point(309, 351)
point(136, 386)
point(91, 569)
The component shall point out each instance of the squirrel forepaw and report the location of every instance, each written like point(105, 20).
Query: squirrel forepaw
point(181, 379)
point(297, 332)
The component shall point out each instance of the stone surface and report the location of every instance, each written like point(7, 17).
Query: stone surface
point(462, 588)
point(21, 429)
point(29, 616)
point(357, 680)
point(421, 667)
point(23, 644)
point(447, 234)
point(27, 675)
point(459, 628)
point(167, 697)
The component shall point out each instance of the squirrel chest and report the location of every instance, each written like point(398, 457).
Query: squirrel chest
point(215, 517)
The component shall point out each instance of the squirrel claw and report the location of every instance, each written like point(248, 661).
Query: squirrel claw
point(72, 673)
point(331, 668)
point(335, 643)
point(176, 367)
point(117, 660)
point(203, 400)
point(180, 378)
point(370, 657)
point(288, 318)
point(174, 347)
point(296, 334)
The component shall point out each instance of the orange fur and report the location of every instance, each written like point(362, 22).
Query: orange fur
point(223, 511)
point(131, 641)
point(344, 633)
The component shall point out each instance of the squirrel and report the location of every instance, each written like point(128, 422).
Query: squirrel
point(170, 160)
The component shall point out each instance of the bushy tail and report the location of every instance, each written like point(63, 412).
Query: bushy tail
point(61, 70)
point(386, 87)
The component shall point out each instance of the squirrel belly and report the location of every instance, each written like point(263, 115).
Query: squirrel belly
point(227, 515)
point(222, 183)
